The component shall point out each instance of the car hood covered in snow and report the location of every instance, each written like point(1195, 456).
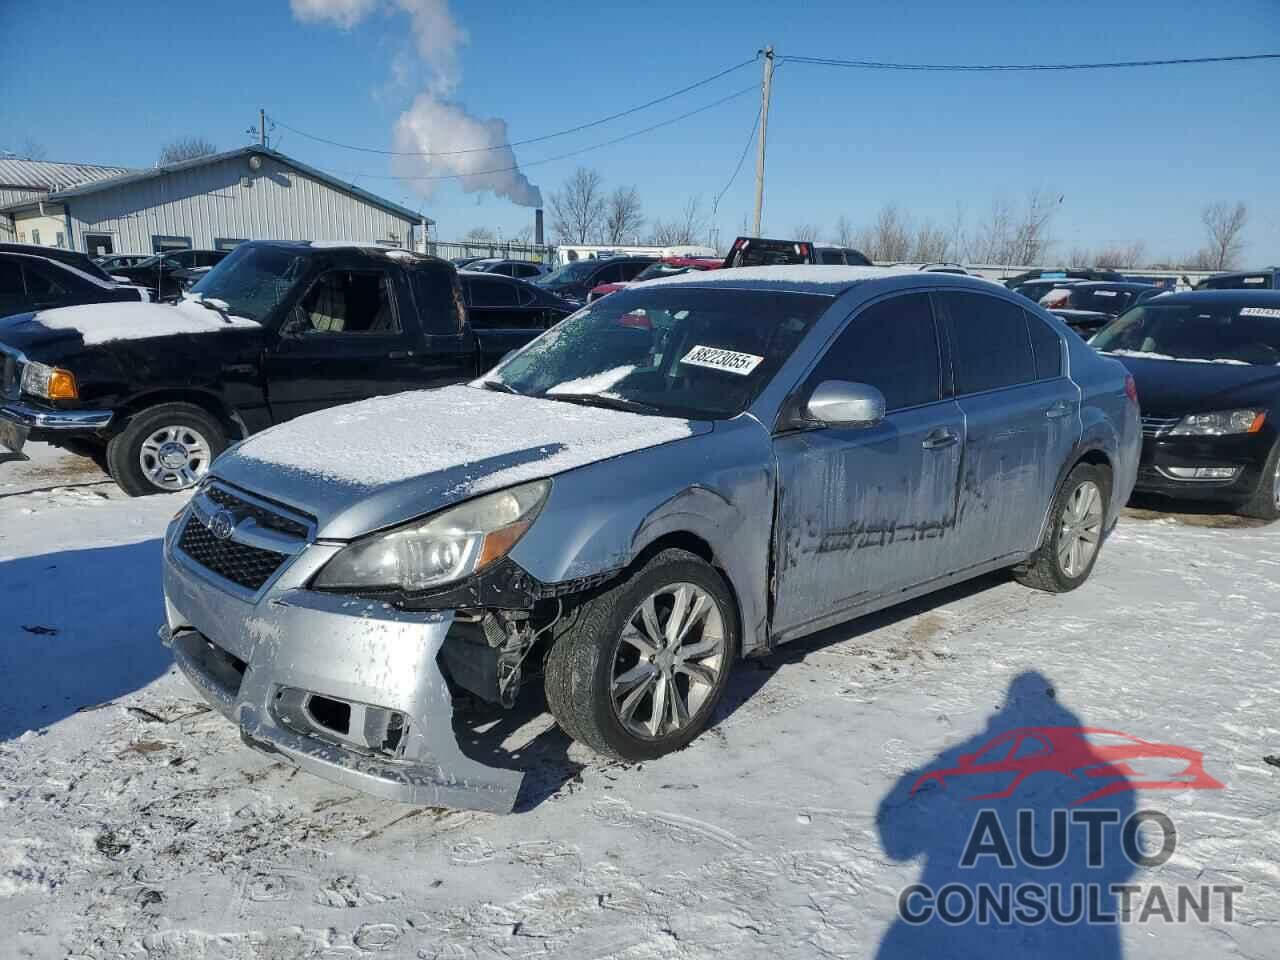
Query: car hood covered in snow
point(381, 462)
point(97, 323)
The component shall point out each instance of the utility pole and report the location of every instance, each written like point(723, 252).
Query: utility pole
point(262, 127)
point(766, 88)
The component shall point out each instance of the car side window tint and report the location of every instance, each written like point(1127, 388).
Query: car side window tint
point(1046, 346)
point(891, 345)
point(439, 299)
point(629, 271)
point(492, 293)
point(41, 286)
point(990, 344)
point(831, 256)
point(350, 302)
point(11, 279)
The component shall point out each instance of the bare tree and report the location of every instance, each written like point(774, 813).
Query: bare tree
point(806, 232)
point(991, 243)
point(479, 235)
point(930, 243)
point(686, 228)
point(1118, 256)
point(889, 238)
point(524, 234)
point(622, 216)
point(1031, 236)
point(186, 148)
point(958, 241)
point(844, 232)
point(577, 208)
point(1225, 224)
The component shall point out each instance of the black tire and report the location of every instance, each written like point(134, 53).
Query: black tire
point(125, 448)
point(1045, 570)
point(579, 669)
point(1265, 502)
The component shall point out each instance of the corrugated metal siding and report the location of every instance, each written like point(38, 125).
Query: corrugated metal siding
point(47, 173)
point(209, 202)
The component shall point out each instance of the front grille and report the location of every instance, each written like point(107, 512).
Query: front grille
point(1158, 426)
point(262, 516)
point(240, 563)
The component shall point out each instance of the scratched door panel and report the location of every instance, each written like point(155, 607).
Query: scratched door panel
point(864, 511)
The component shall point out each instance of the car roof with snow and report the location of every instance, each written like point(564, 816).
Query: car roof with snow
point(827, 280)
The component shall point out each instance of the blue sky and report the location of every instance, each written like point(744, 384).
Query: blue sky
point(1135, 154)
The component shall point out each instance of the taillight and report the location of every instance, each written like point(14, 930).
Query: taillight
point(1130, 388)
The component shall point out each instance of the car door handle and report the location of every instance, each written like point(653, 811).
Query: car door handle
point(937, 439)
point(399, 354)
point(1058, 410)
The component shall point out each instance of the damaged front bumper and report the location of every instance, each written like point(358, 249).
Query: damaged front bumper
point(348, 689)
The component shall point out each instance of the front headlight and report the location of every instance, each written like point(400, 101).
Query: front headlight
point(51, 383)
point(440, 549)
point(1220, 423)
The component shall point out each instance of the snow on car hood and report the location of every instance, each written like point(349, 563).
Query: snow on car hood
point(375, 463)
point(105, 322)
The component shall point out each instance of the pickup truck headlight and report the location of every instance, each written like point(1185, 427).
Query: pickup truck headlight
point(1220, 423)
point(442, 548)
point(51, 383)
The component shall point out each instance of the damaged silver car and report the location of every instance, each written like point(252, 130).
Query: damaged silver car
point(683, 474)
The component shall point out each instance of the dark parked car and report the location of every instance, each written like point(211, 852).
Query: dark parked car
point(520, 269)
point(115, 261)
point(38, 283)
point(72, 258)
point(1033, 290)
point(763, 252)
point(165, 274)
point(1206, 366)
point(1062, 274)
point(1086, 307)
point(510, 312)
point(574, 280)
point(1268, 279)
point(276, 330)
point(840, 256)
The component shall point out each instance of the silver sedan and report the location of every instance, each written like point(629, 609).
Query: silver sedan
point(683, 474)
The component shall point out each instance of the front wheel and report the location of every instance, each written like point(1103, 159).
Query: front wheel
point(1265, 502)
point(1078, 515)
point(641, 671)
point(164, 449)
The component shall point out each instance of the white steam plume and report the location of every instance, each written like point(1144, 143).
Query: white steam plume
point(432, 124)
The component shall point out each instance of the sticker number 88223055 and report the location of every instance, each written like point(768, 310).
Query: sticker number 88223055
point(729, 361)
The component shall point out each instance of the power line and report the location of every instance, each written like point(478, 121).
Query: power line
point(746, 148)
point(564, 156)
point(996, 67)
point(520, 143)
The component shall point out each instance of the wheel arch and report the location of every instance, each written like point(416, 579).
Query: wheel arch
point(207, 400)
point(1086, 451)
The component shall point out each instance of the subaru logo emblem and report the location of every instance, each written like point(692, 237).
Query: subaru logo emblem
point(222, 523)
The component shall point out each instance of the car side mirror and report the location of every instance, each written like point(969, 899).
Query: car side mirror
point(839, 403)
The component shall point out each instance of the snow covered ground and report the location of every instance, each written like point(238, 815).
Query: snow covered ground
point(133, 822)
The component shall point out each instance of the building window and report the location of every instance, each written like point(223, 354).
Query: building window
point(35, 236)
point(98, 244)
point(163, 244)
point(62, 240)
point(227, 243)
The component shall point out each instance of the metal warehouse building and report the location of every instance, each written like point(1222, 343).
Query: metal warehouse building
point(212, 202)
point(22, 180)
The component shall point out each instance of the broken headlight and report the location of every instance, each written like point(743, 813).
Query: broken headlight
point(448, 546)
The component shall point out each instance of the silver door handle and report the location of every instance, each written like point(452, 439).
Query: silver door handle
point(937, 439)
point(1058, 410)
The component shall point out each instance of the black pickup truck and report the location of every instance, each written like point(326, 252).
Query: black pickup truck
point(155, 392)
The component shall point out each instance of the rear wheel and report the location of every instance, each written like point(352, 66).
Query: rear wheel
point(642, 669)
point(1066, 558)
point(1265, 502)
point(165, 449)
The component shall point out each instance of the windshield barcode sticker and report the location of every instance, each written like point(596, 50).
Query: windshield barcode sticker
point(717, 359)
point(1271, 312)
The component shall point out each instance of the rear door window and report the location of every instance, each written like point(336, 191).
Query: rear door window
point(990, 343)
point(1046, 347)
point(439, 299)
point(893, 346)
point(350, 302)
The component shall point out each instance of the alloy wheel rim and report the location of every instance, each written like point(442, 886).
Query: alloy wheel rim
point(1275, 485)
point(668, 661)
point(1080, 529)
point(174, 457)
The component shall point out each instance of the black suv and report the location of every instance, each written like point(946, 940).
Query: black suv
point(575, 280)
point(1268, 279)
point(42, 283)
point(166, 274)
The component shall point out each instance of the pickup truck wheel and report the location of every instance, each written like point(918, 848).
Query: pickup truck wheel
point(1078, 515)
point(164, 449)
point(641, 671)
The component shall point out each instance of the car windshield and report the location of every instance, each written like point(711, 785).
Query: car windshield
point(1217, 333)
point(570, 273)
point(699, 353)
point(1099, 299)
point(253, 281)
point(655, 270)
